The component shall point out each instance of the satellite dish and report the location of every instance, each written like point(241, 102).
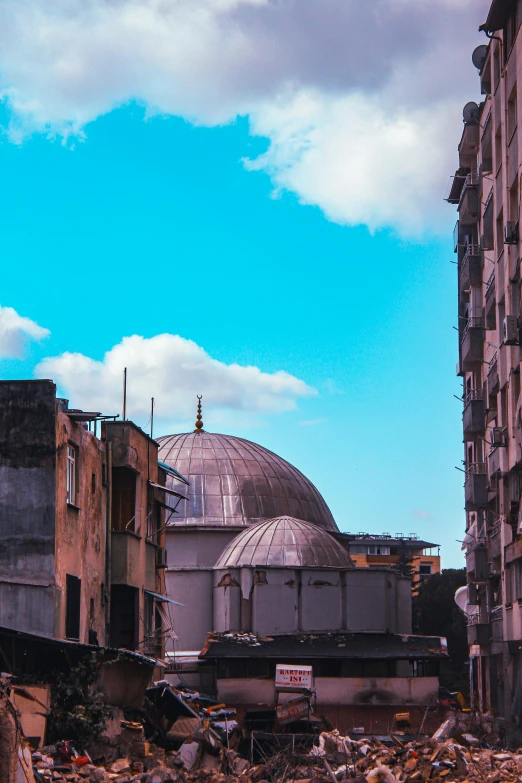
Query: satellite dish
point(479, 56)
point(461, 599)
point(471, 112)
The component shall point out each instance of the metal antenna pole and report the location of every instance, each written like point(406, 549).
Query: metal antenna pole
point(125, 394)
point(151, 416)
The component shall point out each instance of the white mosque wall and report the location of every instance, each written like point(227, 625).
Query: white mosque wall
point(321, 604)
point(196, 546)
point(404, 604)
point(275, 605)
point(287, 600)
point(193, 621)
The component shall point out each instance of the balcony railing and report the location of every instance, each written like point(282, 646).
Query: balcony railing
point(473, 394)
point(474, 468)
point(472, 179)
point(490, 284)
point(496, 613)
point(474, 322)
point(476, 543)
point(495, 528)
point(477, 618)
point(471, 250)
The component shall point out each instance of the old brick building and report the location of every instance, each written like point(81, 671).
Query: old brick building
point(81, 523)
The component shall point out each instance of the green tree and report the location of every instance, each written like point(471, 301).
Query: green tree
point(405, 565)
point(435, 613)
point(79, 711)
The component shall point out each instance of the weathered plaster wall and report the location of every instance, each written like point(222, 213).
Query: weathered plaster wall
point(399, 691)
point(81, 527)
point(133, 449)
point(27, 505)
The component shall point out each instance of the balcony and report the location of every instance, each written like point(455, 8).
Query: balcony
point(491, 302)
point(475, 487)
point(495, 460)
point(477, 566)
point(479, 629)
point(464, 234)
point(456, 186)
point(472, 344)
point(469, 206)
point(125, 558)
point(493, 381)
point(469, 142)
point(470, 271)
point(152, 645)
point(495, 542)
point(474, 413)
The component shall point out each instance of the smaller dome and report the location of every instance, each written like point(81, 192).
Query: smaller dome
point(285, 541)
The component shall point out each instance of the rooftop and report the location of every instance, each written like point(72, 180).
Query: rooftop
point(333, 645)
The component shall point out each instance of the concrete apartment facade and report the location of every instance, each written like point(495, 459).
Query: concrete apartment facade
point(486, 188)
point(81, 523)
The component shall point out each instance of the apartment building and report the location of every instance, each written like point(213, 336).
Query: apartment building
point(82, 520)
point(421, 557)
point(486, 190)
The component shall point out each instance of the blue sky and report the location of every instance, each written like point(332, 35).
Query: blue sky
point(126, 221)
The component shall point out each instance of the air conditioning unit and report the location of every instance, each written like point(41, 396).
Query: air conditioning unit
point(161, 557)
point(497, 436)
point(511, 232)
point(511, 336)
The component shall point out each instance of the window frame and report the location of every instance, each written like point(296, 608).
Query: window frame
point(71, 474)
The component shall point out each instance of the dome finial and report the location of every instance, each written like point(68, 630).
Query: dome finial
point(199, 420)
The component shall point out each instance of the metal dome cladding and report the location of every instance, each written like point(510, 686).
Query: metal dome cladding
point(285, 542)
point(236, 482)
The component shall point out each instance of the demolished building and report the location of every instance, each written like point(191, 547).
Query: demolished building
point(82, 519)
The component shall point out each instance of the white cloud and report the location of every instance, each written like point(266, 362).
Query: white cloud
point(421, 514)
point(360, 101)
point(16, 331)
point(172, 370)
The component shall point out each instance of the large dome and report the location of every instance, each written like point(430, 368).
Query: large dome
point(287, 542)
point(236, 482)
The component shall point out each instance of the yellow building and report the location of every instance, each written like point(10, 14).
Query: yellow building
point(369, 549)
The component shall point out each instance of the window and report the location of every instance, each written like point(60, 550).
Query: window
point(511, 116)
point(123, 499)
point(424, 571)
point(73, 589)
point(378, 550)
point(72, 453)
point(508, 584)
point(517, 580)
point(424, 668)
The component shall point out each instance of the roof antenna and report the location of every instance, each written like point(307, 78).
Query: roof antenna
point(125, 394)
point(199, 420)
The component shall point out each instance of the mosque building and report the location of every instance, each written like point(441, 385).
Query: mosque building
point(264, 576)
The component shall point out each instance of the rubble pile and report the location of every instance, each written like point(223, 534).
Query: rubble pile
point(333, 759)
